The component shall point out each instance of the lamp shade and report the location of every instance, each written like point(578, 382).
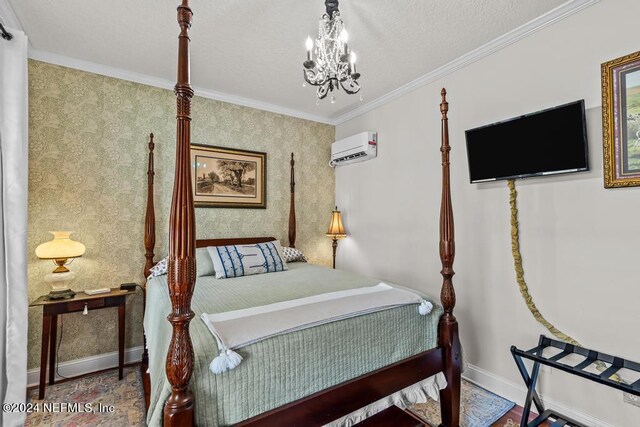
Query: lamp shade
point(336, 229)
point(61, 247)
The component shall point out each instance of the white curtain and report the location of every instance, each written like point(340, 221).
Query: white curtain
point(13, 224)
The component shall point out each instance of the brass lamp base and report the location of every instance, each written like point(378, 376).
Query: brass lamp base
point(334, 245)
point(60, 262)
point(63, 294)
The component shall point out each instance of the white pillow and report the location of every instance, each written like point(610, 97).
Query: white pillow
point(204, 266)
point(293, 255)
point(244, 260)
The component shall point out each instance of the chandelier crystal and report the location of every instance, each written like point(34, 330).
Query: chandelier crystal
point(330, 65)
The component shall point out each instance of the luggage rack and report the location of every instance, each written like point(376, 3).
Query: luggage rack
point(591, 357)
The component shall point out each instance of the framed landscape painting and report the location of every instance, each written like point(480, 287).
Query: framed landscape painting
point(621, 121)
point(227, 178)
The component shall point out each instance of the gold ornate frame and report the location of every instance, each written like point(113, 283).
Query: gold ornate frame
point(613, 137)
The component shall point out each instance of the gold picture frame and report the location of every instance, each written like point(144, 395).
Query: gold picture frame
point(228, 178)
point(621, 121)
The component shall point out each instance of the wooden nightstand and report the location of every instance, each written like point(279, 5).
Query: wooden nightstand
point(52, 308)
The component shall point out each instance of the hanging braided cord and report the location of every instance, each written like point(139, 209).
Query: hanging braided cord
point(522, 284)
point(517, 262)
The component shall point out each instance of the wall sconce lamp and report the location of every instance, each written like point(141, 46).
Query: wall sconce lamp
point(336, 231)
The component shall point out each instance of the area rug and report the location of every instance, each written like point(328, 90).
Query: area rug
point(478, 407)
point(77, 403)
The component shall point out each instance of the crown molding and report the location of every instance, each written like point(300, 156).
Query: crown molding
point(551, 17)
point(122, 74)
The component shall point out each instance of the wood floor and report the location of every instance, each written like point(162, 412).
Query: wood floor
point(514, 415)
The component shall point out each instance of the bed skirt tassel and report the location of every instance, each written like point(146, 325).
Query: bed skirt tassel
point(425, 307)
point(227, 360)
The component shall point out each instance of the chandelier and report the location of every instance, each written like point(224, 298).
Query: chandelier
point(331, 65)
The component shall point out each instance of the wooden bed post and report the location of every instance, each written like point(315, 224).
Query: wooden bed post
point(178, 410)
point(292, 207)
point(150, 217)
point(149, 245)
point(448, 326)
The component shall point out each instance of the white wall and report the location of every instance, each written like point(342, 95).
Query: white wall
point(579, 241)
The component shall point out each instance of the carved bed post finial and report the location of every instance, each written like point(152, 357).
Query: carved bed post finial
point(150, 217)
point(292, 207)
point(178, 410)
point(444, 108)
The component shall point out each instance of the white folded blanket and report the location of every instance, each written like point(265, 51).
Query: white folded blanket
point(239, 328)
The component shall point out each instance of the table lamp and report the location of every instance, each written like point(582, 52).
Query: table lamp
point(336, 231)
point(60, 250)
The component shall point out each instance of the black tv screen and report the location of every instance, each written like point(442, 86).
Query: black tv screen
point(548, 142)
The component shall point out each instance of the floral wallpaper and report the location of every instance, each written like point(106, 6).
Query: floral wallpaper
point(88, 138)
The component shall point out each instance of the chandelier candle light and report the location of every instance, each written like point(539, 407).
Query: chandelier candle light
point(334, 66)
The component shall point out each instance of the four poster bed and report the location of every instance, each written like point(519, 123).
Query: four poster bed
point(304, 378)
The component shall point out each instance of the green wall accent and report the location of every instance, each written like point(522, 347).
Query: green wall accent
point(88, 139)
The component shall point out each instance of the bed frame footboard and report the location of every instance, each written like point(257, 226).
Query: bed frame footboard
point(333, 403)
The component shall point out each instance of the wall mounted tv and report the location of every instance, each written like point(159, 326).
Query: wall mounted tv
point(548, 142)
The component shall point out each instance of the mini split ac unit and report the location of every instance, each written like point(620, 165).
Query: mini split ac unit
point(356, 148)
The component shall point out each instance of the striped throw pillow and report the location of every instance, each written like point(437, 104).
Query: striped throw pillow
point(245, 260)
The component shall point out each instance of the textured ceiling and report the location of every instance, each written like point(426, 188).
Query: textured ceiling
point(255, 48)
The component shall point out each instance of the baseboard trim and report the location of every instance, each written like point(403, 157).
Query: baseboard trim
point(517, 393)
point(74, 368)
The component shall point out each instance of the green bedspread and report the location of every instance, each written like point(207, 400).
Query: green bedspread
point(284, 368)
